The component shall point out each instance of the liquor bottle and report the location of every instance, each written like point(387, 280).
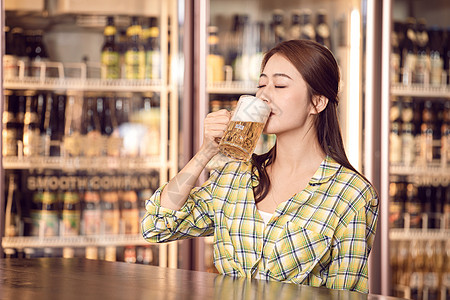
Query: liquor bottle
point(417, 264)
point(428, 200)
point(10, 57)
point(19, 46)
point(152, 50)
point(427, 132)
point(414, 206)
point(396, 204)
point(323, 35)
point(408, 140)
point(436, 56)
point(151, 118)
point(447, 210)
point(13, 212)
point(51, 133)
point(445, 135)
point(31, 132)
point(396, 53)
point(110, 212)
point(395, 140)
point(72, 140)
point(110, 128)
point(258, 45)
point(37, 52)
point(135, 53)
point(92, 127)
point(295, 30)
point(447, 56)
point(409, 54)
point(110, 59)
point(431, 271)
point(422, 68)
point(215, 61)
point(71, 214)
point(278, 33)
point(92, 213)
point(231, 51)
point(49, 225)
point(129, 211)
point(242, 43)
point(9, 130)
point(308, 31)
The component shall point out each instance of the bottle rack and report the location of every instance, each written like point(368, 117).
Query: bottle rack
point(76, 77)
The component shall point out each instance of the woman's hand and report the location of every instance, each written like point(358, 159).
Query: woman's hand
point(215, 125)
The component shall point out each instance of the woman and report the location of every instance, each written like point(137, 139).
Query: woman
point(299, 213)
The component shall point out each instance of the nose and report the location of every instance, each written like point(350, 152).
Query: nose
point(263, 97)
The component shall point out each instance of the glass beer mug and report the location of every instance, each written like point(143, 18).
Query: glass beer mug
point(245, 128)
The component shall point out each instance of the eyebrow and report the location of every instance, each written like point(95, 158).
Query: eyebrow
point(276, 75)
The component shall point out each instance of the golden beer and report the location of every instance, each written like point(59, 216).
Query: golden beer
point(245, 128)
point(240, 139)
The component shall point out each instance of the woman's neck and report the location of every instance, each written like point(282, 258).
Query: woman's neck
point(296, 154)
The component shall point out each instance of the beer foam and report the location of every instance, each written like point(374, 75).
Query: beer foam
point(251, 109)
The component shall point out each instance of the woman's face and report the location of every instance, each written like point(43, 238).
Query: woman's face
point(283, 87)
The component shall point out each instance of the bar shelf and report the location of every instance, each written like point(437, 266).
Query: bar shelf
point(434, 169)
point(232, 87)
point(82, 163)
point(421, 90)
point(74, 241)
point(408, 234)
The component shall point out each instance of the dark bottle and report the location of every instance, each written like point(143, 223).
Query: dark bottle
point(447, 210)
point(409, 55)
point(396, 205)
point(422, 68)
point(36, 51)
point(436, 56)
point(51, 133)
point(10, 57)
point(13, 212)
point(41, 101)
point(152, 50)
point(92, 127)
point(10, 130)
point(445, 135)
point(110, 128)
point(19, 43)
point(110, 59)
point(323, 35)
point(396, 54)
point(61, 99)
point(135, 53)
point(413, 206)
point(278, 33)
point(428, 198)
point(427, 133)
point(295, 30)
point(447, 56)
point(31, 131)
point(308, 31)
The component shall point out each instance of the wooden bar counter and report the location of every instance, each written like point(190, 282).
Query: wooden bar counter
point(60, 278)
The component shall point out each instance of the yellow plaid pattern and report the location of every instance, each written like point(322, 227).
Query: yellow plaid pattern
point(322, 236)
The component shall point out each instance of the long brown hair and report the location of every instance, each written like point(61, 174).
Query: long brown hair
point(320, 71)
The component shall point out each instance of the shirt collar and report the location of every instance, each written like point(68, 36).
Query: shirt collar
point(326, 171)
point(328, 167)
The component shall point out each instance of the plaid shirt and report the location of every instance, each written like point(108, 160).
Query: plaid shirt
point(321, 236)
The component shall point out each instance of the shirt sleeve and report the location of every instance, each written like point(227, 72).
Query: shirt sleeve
point(195, 217)
point(349, 265)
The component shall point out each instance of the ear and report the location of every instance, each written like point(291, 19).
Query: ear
point(320, 103)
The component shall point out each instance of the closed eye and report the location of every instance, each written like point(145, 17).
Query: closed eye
point(280, 86)
point(261, 86)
